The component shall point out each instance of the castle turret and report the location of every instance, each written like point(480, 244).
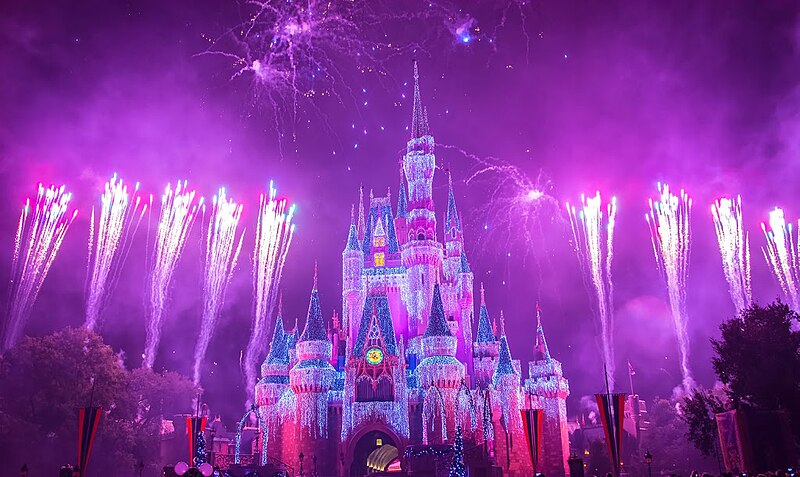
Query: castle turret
point(440, 374)
point(401, 216)
point(421, 253)
point(487, 348)
point(275, 369)
point(352, 284)
point(546, 381)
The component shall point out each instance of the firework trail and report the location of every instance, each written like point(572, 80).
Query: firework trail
point(734, 248)
point(781, 254)
point(39, 236)
point(593, 232)
point(274, 234)
point(222, 252)
point(178, 212)
point(670, 234)
point(109, 242)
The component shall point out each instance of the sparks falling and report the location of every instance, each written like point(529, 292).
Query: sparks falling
point(222, 252)
point(109, 243)
point(178, 212)
point(40, 233)
point(734, 248)
point(274, 234)
point(781, 254)
point(670, 234)
point(593, 233)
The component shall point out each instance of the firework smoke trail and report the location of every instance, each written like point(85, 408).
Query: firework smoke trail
point(38, 239)
point(594, 244)
point(178, 211)
point(222, 252)
point(781, 254)
point(734, 248)
point(670, 234)
point(274, 234)
point(109, 242)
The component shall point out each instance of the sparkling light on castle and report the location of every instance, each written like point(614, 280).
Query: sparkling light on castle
point(401, 368)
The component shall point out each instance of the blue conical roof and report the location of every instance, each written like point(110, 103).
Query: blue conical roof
point(437, 323)
point(463, 266)
point(402, 201)
point(485, 333)
point(352, 239)
point(384, 314)
point(279, 347)
point(504, 364)
point(315, 325)
point(452, 220)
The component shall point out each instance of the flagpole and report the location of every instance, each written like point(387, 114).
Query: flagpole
point(611, 428)
point(630, 376)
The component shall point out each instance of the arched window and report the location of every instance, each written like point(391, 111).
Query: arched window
point(420, 236)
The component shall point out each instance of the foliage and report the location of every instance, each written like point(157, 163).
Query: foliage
point(43, 382)
point(458, 469)
point(697, 411)
point(666, 441)
point(758, 359)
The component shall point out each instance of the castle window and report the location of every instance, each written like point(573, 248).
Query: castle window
point(420, 236)
point(379, 241)
point(380, 259)
point(453, 232)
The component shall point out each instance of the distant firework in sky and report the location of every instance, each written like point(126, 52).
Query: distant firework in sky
point(670, 232)
point(110, 238)
point(781, 254)
point(274, 233)
point(221, 253)
point(734, 248)
point(178, 212)
point(593, 234)
point(39, 236)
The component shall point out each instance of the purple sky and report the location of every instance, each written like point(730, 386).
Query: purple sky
point(612, 95)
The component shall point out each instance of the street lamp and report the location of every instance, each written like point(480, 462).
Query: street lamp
point(648, 458)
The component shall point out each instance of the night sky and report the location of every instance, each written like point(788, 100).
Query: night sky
point(610, 95)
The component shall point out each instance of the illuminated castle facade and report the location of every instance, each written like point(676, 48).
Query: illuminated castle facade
point(406, 364)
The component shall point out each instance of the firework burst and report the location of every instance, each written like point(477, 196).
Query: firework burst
point(781, 254)
point(593, 233)
point(178, 212)
point(734, 248)
point(40, 232)
point(109, 242)
point(670, 232)
point(274, 234)
point(222, 252)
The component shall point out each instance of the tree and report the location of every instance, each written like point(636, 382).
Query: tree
point(666, 441)
point(43, 382)
point(697, 411)
point(758, 359)
point(457, 469)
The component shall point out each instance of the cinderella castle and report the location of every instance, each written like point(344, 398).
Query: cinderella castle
point(406, 366)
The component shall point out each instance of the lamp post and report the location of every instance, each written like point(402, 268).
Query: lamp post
point(648, 458)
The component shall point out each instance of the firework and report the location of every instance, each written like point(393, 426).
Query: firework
point(109, 242)
point(274, 234)
point(593, 232)
point(40, 233)
point(222, 252)
point(781, 254)
point(670, 234)
point(178, 212)
point(734, 248)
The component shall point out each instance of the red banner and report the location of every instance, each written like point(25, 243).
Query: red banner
point(193, 426)
point(88, 420)
point(532, 420)
point(612, 415)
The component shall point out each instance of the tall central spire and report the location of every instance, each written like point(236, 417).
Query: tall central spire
point(419, 118)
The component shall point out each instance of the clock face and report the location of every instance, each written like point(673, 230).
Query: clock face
point(374, 356)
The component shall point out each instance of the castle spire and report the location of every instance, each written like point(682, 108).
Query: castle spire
point(352, 235)
point(452, 219)
point(505, 365)
point(437, 322)
point(361, 226)
point(483, 295)
point(402, 201)
point(279, 347)
point(485, 332)
point(540, 350)
point(502, 324)
point(419, 120)
point(315, 324)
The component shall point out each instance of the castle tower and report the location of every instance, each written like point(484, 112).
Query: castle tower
point(421, 253)
point(546, 381)
point(401, 216)
point(352, 285)
point(487, 348)
point(510, 440)
point(273, 384)
point(440, 375)
point(310, 380)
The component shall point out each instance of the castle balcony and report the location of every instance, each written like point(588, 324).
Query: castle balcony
point(421, 252)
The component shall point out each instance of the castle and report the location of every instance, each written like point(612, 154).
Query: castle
point(402, 370)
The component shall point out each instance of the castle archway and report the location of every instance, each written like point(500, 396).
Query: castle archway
point(374, 449)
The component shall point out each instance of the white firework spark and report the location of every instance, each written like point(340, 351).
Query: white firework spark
point(593, 233)
point(734, 249)
point(178, 212)
point(781, 254)
point(109, 243)
point(40, 233)
point(670, 232)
